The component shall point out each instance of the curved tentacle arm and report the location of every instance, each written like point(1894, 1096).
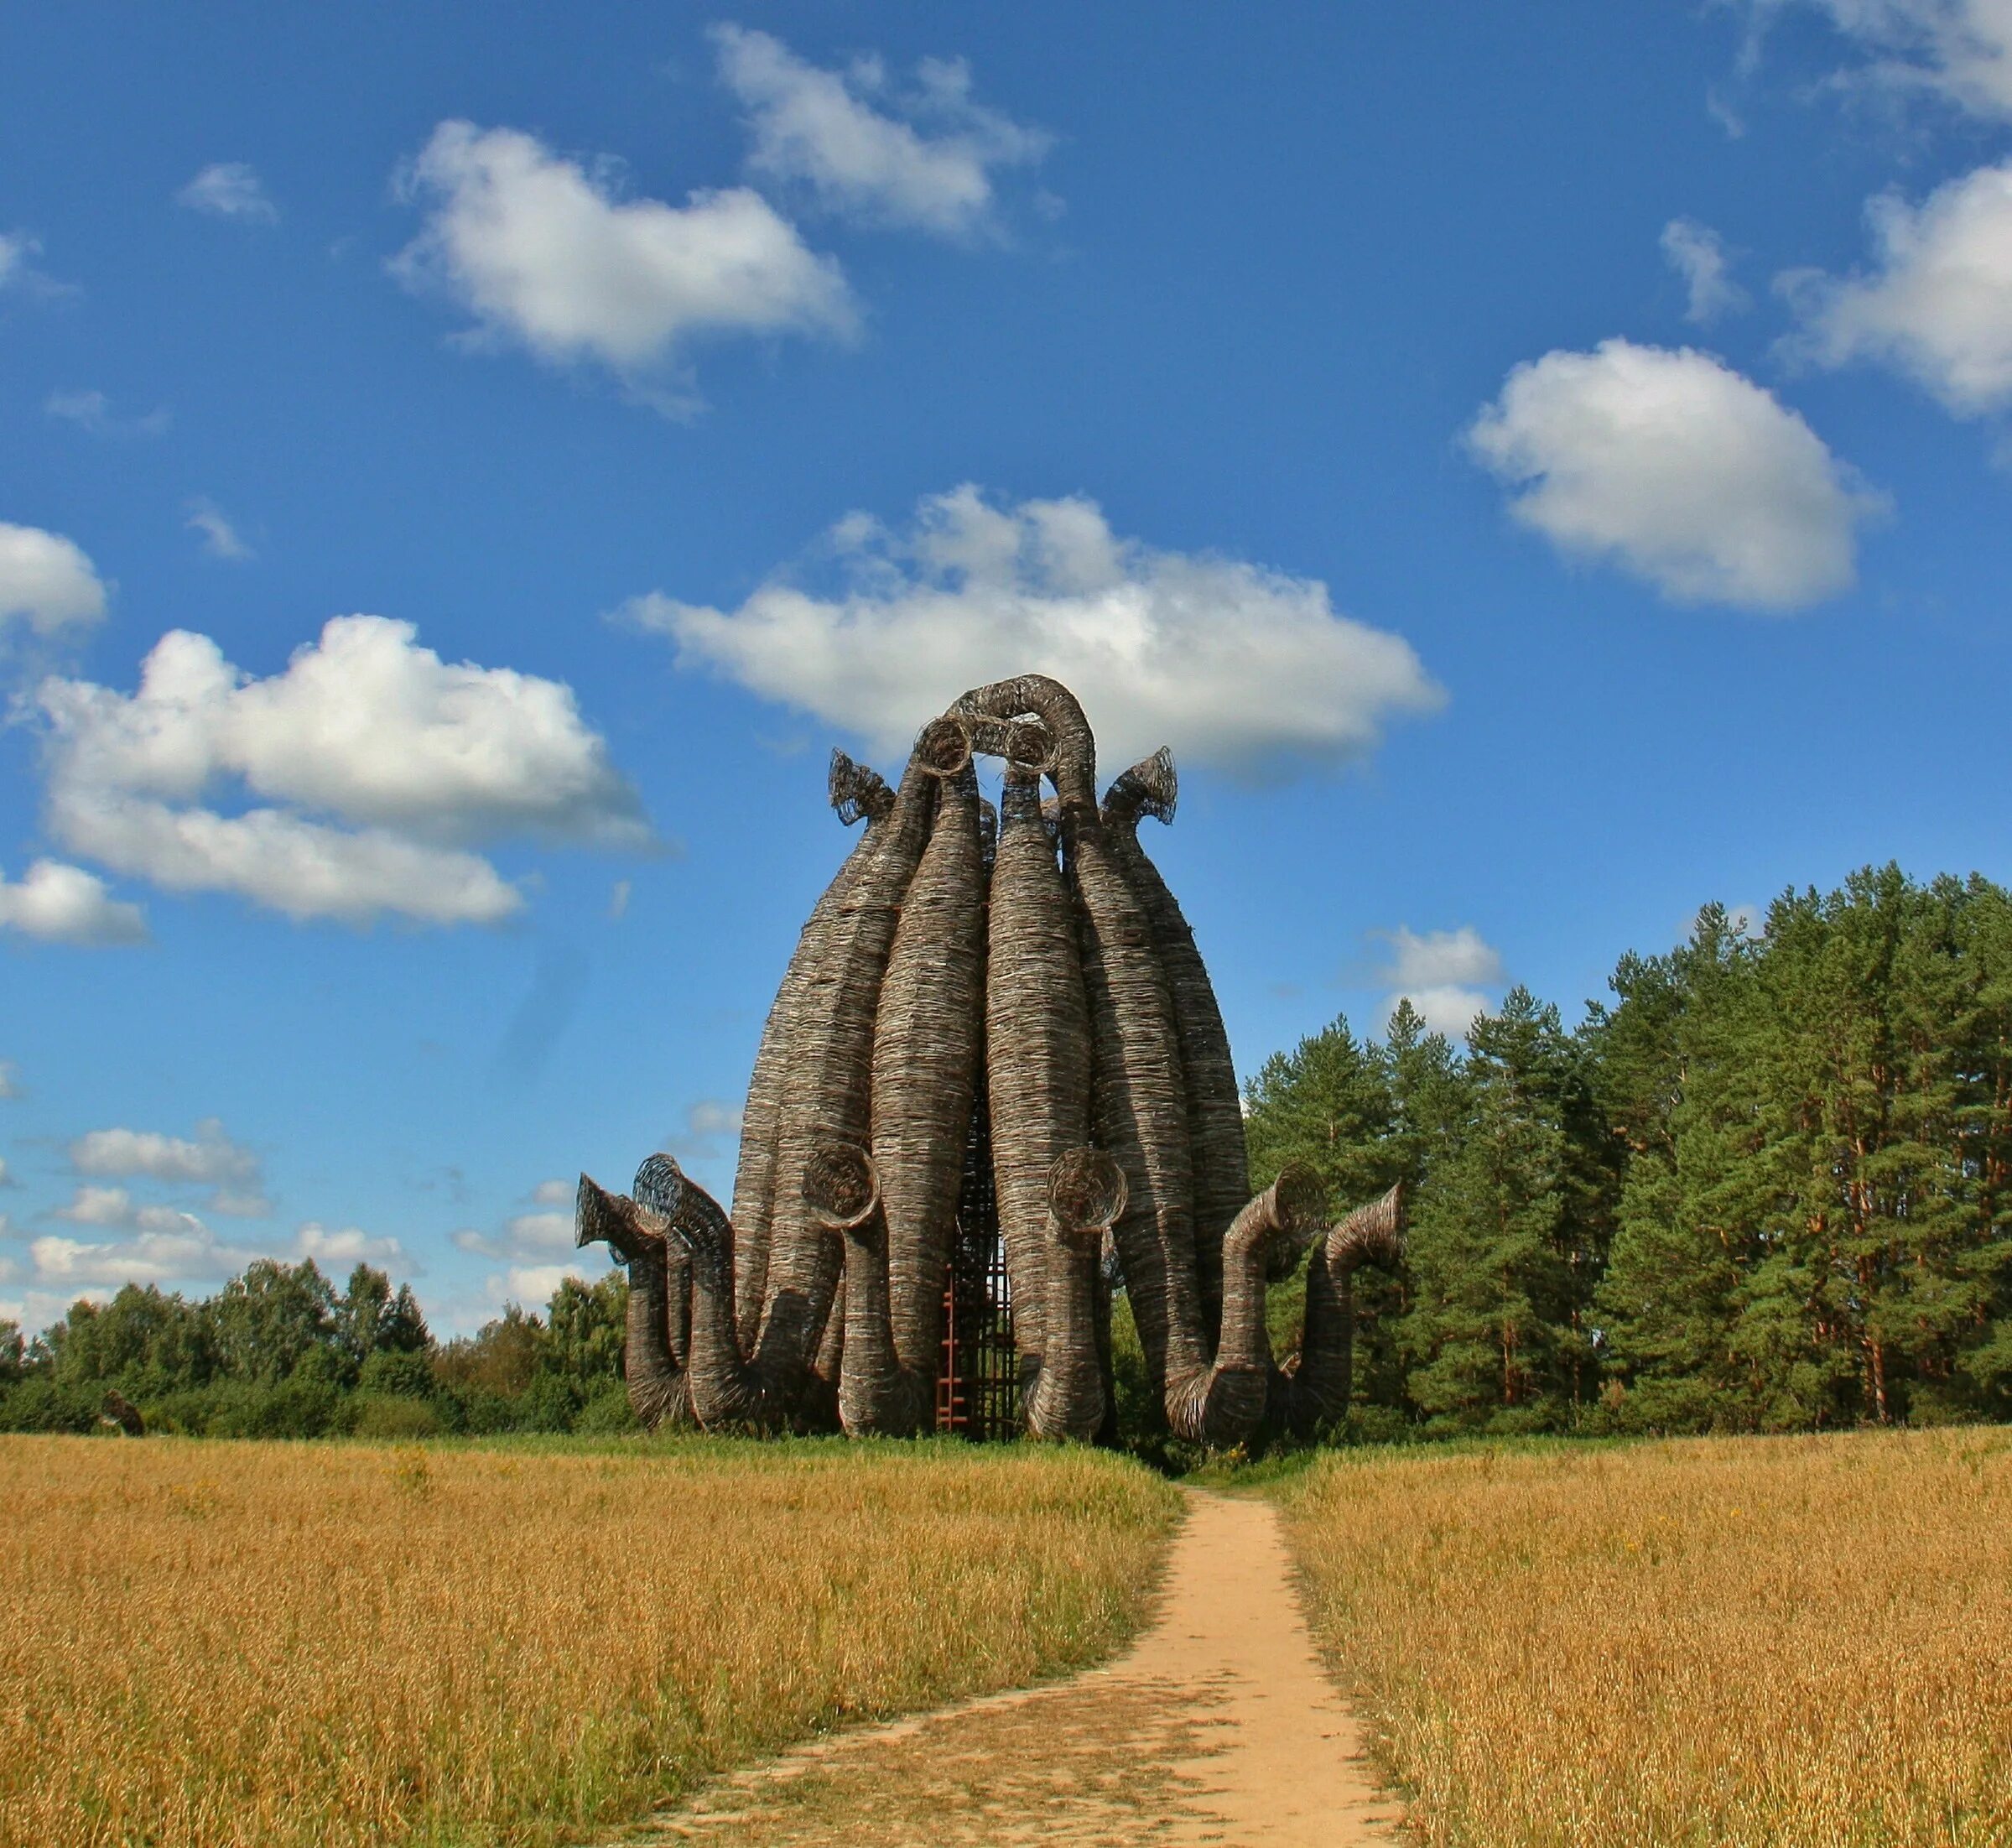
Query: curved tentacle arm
point(1140, 1098)
point(1073, 764)
point(725, 1389)
point(1086, 1193)
point(828, 1092)
point(1151, 787)
point(878, 1397)
point(1223, 1404)
point(653, 1359)
point(1320, 1383)
point(1219, 1153)
point(858, 793)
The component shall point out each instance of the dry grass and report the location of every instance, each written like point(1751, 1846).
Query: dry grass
point(287, 1644)
point(1801, 1641)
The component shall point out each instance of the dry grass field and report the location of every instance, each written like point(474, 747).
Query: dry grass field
point(212, 1643)
point(1805, 1642)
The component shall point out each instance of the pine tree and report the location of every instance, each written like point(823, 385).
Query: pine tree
point(1509, 1235)
point(1678, 1058)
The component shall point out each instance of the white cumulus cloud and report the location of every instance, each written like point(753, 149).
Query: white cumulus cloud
point(530, 1236)
point(410, 757)
point(347, 1246)
point(533, 1285)
point(1938, 307)
point(542, 251)
point(149, 1258)
point(209, 1159)
point(56, 902)
point(1958, 50)
point(1444, 974)
point(46, 581)
point(925, 160)
point(1678, 470)
point(1231, 663)
point(114, 1207)
point(230, 189)
point(1697, 254)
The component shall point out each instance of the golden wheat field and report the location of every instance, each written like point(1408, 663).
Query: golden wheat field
point(1796, 1641)
point(280, 1643)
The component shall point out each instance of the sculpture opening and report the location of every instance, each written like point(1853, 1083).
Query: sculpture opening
point(995, 1055)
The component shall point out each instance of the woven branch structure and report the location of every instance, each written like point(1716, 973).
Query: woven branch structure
point(1018, 990)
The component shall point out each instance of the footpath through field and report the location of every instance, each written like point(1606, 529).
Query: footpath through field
point(1220, 1727)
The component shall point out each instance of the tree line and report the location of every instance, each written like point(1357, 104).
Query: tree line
point(279, 1352)
point(1763, 1187)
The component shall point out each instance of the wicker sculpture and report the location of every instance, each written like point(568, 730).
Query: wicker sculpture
point(1024, 985)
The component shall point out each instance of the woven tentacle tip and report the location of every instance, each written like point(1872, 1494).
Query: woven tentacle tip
point(1374, 1233)
point(1149, 787)
point(1086, 1193)
point(859, 793)
point(626, 1226)
point(661, 1186)
point(943, 747)
point(841, 1185)
point(1299, 1198)
point(1299, 1203)
point(1030, 744)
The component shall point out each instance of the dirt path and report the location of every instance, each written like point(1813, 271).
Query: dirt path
point(1220, 1727)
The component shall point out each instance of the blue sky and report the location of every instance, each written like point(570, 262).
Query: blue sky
point(1540, 469)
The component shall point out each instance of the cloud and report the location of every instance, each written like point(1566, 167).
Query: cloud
point(552, 1193)
point(1442, 973)
point(230, 189)
point(18, 250)
point(58, 904)
point(1959, 51)
point(1697, 254)
point(1231, 663)
point(819, 128)
point(92, 412)
point(114, 1207)
point(414, 759)
point(709, 1124)
point(210, 1160)
point(164, 1245)
point(220, 537)
point(541, 252)
point(1677, 468)
point(349, 1245)
point(47, 582)
point(618, 899)
point(534, 1283)
point(1939, 306)
point(532, 1236)
point(149, 1258)
point(10, 1081)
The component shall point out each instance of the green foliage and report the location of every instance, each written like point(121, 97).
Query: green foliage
point(392, 1373)
point(279, 1352)
point(1509, 1232)
point(1767, 1187)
